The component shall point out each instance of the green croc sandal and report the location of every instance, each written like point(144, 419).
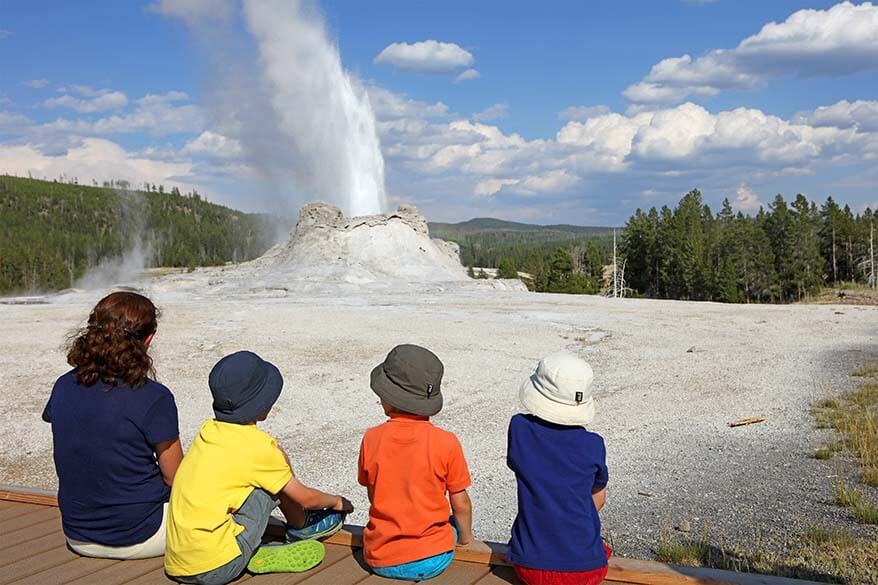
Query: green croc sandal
point(287, 558)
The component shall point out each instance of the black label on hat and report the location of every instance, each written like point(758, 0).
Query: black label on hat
point(429, 390)
point(578, 397)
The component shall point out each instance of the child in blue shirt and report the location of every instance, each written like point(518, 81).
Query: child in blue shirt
point(561, 471)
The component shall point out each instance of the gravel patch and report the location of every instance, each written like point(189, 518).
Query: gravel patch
point(669, 377)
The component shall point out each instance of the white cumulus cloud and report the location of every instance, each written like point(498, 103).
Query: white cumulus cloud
point(582, 113)
point(664, 150)
point(841, 40)
point(103, 101)
point(194, 11)
point(490, 187)
point(467, 75)
point(36, 83)
point(212, 145)
point(92, 158)
point(425, 57)
point(746, 200)
point(859, 114)
point(389, 105)
point(495, 112)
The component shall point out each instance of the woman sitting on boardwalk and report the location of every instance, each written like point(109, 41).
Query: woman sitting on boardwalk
point(115, 435)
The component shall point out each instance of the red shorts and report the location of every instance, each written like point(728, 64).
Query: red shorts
point(540, 577)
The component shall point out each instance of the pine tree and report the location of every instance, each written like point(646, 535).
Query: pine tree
point(807, 263)
point(830, 235)
point(638, 248)
point(506, 269)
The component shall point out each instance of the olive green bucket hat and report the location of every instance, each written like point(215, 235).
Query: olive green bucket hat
point(410, 379)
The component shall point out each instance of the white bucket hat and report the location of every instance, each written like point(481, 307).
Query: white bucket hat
point(559, 391)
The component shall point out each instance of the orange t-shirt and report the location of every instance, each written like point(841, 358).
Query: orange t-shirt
point(408, 465)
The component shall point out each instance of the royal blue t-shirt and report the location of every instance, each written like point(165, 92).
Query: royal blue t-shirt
point(557, 467)
point(110, 488)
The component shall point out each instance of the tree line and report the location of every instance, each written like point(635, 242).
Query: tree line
point(572, 266)
point(52, 233)
point(781, 254)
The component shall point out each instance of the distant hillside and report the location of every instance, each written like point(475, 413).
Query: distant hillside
point(486, 242)
point(530, 232)
point(52, 233)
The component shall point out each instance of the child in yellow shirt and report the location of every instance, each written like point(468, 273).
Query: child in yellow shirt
point(232, 478)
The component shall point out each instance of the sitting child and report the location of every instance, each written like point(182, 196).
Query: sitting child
point(561, 472)
point(232, 478)
point(408, 465)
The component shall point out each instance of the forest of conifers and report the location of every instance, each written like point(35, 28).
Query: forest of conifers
point(781, 254)
point(52, 233)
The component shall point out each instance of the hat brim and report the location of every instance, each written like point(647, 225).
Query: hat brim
point(261, 403)
point(533, 402)
point(397, 397)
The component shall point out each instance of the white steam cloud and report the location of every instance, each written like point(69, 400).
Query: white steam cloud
point(130, 265)
point(300, 118)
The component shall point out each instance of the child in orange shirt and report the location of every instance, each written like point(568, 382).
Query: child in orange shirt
point(408, 465)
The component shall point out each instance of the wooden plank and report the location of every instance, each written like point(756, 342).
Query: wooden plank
point(378, 580)
point(461, 574)
point(486, 553)
point(60, 574)
point(499, 576)
point(16, 493)
point(41, 514)
point(348, 571)
point(31, 547)
point(637, 572)
point(34, 564)
point(17, 510)
point(350, 536)
point(31, 532)
point(154, 577)
point(119, 573)
point(21, 514)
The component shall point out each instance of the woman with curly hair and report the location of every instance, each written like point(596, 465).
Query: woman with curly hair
point(115, 434)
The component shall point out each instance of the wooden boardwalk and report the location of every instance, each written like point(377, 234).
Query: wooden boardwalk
point(33, 551)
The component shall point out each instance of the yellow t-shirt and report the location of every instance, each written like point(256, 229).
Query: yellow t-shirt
point(225, 463)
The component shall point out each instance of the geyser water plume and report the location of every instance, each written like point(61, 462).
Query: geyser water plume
point(297, 113)
point(318, 105)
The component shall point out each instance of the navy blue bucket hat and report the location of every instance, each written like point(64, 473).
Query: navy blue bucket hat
point(244, 387)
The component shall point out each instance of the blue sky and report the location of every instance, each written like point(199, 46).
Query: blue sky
point(109, 89)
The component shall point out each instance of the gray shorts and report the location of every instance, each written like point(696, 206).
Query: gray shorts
point(253, 516)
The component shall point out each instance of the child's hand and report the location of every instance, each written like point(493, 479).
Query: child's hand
point(343, 505)
point(465, 540)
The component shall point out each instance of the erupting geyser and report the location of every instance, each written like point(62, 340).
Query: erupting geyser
point(304, 123)
point(325, 113)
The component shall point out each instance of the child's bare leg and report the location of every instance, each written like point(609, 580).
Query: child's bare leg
point(293, 512)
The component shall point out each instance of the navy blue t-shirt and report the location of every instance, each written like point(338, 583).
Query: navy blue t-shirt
point(110, 488)
point(557, 467)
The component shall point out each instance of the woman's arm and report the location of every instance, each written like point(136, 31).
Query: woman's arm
point(169, 454)
point(600, 497)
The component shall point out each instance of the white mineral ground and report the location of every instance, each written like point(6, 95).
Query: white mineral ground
point(663, 410)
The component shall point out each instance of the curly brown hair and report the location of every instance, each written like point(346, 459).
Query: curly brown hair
point(112, 348)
